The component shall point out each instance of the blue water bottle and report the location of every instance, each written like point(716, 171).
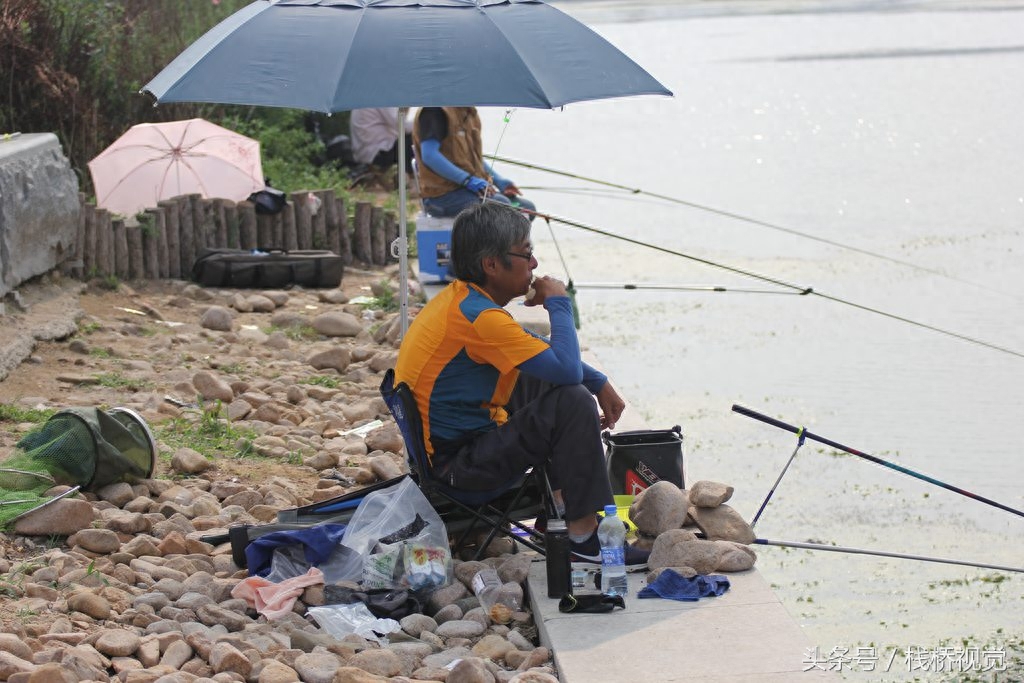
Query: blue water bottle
point(611, 532)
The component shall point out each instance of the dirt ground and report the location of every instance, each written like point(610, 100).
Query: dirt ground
point(55, 374)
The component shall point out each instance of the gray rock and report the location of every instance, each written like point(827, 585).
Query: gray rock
point(387, 438)
point(277, 340)
point(317, 667)
point(679, 548)
point(260, 303)
point(117, 643)
point(102, 541)
point(188, 461)
point(492, 647)
point(14, 645)
point(238, 410)
point(443, 597)
point(273, 671)
point(709, 494)
point(734, 557)
point(515, 569)
point(335, 358)
point(380, 662)
point(659, 508)
point(686, 572)
point(60, 518)
point(460, 628)
point(211, 387)
point(470, 670)
point(337, 324)
point(722, 523)
point(118, 494)
point(443, 659)
point(384, 467)
point(415, 624)
point(217, 318)
point(226, 657)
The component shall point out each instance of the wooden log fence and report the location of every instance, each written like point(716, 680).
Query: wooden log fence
point(164, 241)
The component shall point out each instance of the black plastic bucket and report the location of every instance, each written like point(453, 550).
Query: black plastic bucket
point(640, 458)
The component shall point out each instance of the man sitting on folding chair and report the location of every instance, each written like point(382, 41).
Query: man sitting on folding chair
point(496, 399)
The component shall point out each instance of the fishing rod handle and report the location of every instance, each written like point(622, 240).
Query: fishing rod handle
point(764, 418)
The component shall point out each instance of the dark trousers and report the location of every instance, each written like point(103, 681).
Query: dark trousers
point(389, 157)
point(557, 427)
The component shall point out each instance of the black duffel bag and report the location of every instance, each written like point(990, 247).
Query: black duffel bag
point(267, 269)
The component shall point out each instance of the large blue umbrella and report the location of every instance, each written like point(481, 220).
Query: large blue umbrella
point(337, 55)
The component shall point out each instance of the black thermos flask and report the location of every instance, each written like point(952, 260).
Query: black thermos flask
point(556, 548)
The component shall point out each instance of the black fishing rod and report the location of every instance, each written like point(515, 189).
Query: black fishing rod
point(882, 553)
point(679, 288)
point(878, 461)
point(781, 283)
point(746, 219)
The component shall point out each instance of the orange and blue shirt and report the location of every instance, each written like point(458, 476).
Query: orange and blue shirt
point(460, 358)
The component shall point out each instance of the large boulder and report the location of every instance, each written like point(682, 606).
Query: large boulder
point(38, 208)
point(659, 508)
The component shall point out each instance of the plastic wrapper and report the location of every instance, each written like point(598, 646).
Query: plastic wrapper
point(379, 568)
point(341, 620)
point(426, 566)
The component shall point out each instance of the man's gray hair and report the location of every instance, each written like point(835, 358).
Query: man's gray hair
point(486, 229)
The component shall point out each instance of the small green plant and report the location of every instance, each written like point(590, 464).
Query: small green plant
point(88, 327)
point(323, 381)
point(386, 299)
point(115, 380)
point(295, 332)
point(232, 368)
point(100, 353)
point(12, 413)
point(147, 223)
point(110, 282)
point(208, 433)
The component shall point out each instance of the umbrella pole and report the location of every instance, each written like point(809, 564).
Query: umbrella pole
point(402, 244)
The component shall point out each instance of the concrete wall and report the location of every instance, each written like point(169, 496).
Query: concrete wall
point(38, 208)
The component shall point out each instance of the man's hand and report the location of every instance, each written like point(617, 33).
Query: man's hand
point(611, 405)
point(543, 287)
point(511, 190)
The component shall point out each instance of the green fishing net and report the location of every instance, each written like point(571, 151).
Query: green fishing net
point(85, 448)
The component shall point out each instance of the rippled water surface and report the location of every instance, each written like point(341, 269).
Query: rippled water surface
point(897, 133)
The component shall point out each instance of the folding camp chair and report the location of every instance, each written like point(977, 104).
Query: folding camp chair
point(464, 511)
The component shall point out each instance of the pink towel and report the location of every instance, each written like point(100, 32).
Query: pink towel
point(274, 600)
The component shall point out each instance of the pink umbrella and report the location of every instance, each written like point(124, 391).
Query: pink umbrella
point(155, 161)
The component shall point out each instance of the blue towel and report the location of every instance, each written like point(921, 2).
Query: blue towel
point(670, 584)
point(317, 543)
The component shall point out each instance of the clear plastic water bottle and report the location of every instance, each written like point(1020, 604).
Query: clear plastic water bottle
point(611, 532)
point(496, 601)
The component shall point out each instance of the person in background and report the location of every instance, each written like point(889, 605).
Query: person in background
point(374, 134)
point(496, 399)
point(453, 174)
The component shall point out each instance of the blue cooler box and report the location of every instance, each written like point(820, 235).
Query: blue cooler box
point(433, 244)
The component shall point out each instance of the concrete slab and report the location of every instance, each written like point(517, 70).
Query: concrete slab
point(744, 635)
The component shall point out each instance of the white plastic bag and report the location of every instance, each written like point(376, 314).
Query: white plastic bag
point(341, 620)
point(385, 522)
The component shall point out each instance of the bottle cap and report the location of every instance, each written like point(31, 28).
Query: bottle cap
point(556, 525)
point(611, 511)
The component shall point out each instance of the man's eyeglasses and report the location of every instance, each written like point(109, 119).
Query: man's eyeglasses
point(528, 256)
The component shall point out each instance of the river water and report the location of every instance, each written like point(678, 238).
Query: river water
point(891, 128)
